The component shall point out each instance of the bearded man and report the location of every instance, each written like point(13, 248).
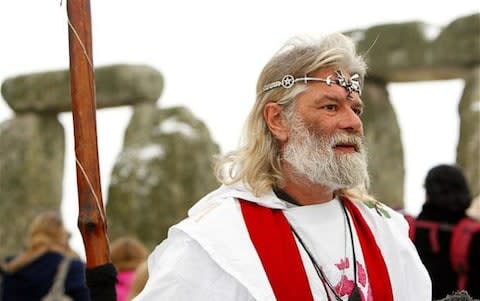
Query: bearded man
point(293, 220)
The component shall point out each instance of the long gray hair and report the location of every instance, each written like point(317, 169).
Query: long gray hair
point(257, 162)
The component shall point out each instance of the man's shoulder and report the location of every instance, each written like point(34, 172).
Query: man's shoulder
point(211, 211)
point(182, 267)
point(217, 237)
point(380, 215)
point(377, 209)
point(176, 247)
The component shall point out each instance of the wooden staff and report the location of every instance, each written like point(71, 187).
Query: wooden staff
point(100, 273)
point(92, 218)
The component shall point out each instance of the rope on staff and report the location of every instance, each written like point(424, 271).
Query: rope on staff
point(97, 200)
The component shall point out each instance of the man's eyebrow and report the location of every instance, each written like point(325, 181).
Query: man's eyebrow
point(332, 97)
point(356, 103)
point(326, 97)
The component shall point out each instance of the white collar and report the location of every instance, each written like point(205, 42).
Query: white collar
point(239, 191)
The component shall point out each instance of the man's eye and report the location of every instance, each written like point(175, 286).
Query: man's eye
point(331, 108)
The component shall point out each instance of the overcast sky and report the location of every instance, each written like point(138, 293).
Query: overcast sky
point(210, 53)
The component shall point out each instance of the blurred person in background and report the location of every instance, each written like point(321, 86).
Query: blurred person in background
point(30, 274)
point(127, 253)
point(447, 240)
point(139, 280)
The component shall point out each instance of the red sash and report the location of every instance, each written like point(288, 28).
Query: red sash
point(275, 244)
point(273, 239)
point(376, 267)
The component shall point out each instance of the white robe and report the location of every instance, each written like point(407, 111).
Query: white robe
point(209, 255)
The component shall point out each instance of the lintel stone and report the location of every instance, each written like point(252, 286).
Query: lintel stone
point(116, 85)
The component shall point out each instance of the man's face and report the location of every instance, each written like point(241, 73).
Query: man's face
point(330, 109)
point(325, 138)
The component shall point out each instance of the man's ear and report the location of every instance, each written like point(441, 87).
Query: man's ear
point(276, 122)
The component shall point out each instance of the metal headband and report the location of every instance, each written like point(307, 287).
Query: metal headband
point(288, 81)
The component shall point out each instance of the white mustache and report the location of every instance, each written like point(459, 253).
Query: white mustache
point(347, 139)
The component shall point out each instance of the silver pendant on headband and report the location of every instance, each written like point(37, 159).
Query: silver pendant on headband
point(351, 85)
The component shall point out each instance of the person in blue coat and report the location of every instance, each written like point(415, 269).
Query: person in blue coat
point(30, 274)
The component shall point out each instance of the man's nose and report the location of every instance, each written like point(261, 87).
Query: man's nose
point(351, 122)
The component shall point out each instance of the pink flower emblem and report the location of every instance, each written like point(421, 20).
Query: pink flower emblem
point(344, 264)
point(344, 287)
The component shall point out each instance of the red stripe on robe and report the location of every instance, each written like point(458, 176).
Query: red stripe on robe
point(272, 237)
point(372, 255)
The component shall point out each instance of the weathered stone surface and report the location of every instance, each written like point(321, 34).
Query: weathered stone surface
point(31, 174)
point(393, 48)
point(404, 52)
point(458, 44)
point(468, 149)
point(144, 116)
point(164, 168)
point(116, 85)
point(384, 144)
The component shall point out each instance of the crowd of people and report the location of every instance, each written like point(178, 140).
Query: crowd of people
point(292, 219)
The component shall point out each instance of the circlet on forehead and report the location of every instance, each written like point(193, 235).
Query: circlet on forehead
point(351, 85)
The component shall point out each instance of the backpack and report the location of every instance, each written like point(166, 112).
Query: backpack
point(57, 291)
point(462, 234)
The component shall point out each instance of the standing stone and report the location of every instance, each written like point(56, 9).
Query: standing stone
point(468, 149)
point(164, 168)
point(31, 174)
point(384, 144)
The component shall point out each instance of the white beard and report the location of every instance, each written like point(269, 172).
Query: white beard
point(313, 156)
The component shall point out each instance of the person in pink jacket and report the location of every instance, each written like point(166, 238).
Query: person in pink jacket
point(127, 254)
